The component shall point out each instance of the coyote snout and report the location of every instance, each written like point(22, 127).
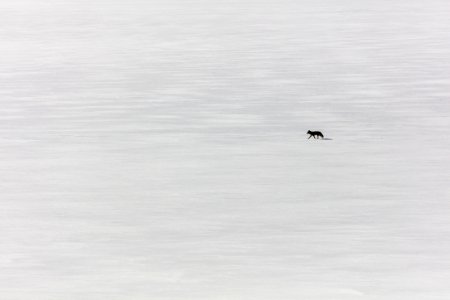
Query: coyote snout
point(314, 134)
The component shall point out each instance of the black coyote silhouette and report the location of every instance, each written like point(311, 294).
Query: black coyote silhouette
point(314, 134)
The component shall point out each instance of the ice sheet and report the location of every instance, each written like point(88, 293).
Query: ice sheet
point(158, 150)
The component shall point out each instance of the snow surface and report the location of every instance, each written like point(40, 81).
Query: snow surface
point(158, 150)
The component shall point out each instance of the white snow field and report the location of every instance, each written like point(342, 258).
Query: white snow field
point(157, 150)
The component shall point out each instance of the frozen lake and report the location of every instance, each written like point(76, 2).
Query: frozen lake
point(158, 150)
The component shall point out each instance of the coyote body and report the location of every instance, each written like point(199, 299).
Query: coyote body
point(314, 134)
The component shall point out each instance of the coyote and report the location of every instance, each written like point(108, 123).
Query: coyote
point(314, 134)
